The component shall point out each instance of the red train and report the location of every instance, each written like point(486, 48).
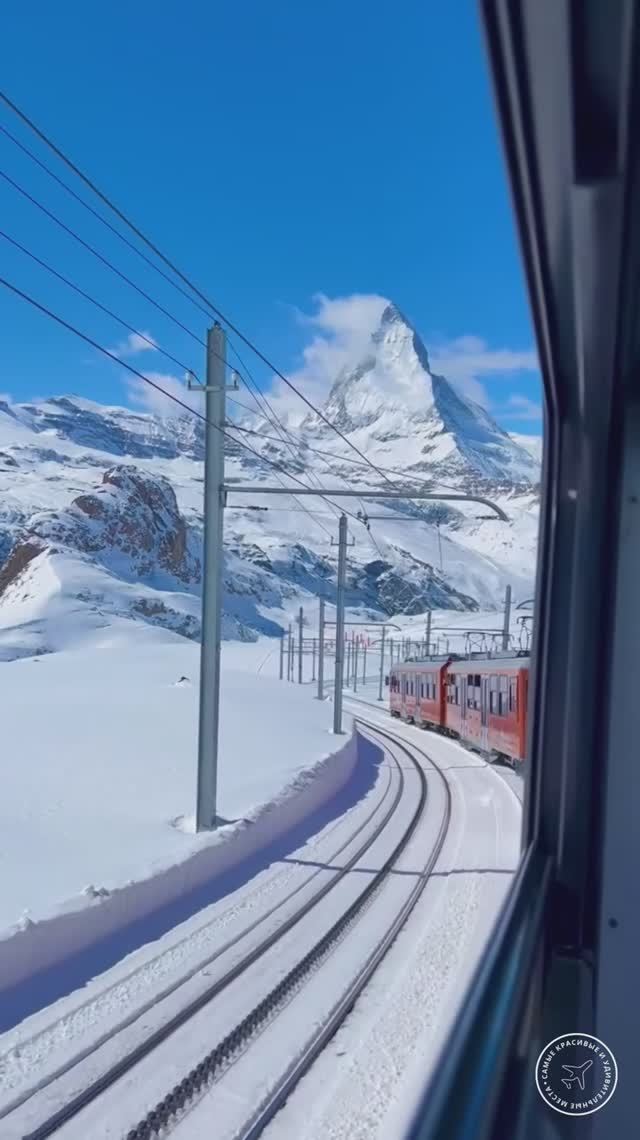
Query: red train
point(482, 702)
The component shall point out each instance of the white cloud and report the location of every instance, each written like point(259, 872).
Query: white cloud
point(161, 399)
point(343, 330)
point(135, 343)
point(340, 331)
point(466, 359)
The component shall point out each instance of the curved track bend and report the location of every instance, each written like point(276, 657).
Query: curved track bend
point(340, 921)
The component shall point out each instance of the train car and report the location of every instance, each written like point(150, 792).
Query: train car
point(486, 704)
point(417, 692)
point(482, 702)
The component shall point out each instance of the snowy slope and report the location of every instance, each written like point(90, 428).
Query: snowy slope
point(79, 554)
point(531, 443)
point(113, 749)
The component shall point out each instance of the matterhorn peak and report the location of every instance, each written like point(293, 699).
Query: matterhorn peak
point(391, 398)
point(394, 328)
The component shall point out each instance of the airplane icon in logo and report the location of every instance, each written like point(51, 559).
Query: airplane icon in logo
point(578, 1072)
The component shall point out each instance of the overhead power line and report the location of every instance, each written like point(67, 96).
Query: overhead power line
point(125, 240)
point(304, 445)
point(105, 261)
point(98, 304)
point(285, 436)
point(182, 276)
point(152, 384)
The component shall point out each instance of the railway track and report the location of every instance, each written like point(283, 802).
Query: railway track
point(214, 1063)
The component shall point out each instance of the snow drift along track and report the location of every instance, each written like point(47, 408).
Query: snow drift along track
point(130, 1058)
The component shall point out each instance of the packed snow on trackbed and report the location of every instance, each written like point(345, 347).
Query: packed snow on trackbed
point(100, 755)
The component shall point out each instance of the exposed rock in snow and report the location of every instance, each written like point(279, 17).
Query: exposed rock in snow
point(132, 514)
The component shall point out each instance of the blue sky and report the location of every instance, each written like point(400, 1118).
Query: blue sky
point(278, 152)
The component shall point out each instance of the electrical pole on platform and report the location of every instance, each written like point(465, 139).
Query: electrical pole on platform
point(300, 632)
point(339, 662)
point(507, 618)
point(381, 681)
point(214, 389)
point(321, 651)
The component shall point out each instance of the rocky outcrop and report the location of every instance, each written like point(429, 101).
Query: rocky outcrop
point(21, 555)
point(132, 519)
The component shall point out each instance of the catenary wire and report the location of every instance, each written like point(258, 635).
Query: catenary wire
point(178, 272)
point(130, 245)
point(96, 253)
point(169, 395)
point(302, 443)
point(122, 322)
point(275, 422)
point(98, 304)
point(283, 431)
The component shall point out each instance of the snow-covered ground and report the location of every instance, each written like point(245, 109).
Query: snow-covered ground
point(100, 753)
point(389, 1043)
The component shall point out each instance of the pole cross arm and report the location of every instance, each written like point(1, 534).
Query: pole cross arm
point(342, 492)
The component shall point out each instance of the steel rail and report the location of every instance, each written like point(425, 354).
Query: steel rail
point(169, 1110)
point(340, 1011)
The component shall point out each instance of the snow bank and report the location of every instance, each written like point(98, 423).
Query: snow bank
point(99, 787)
point(33, 947)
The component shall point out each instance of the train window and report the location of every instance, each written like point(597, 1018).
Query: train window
point(504, 696)
point(513, 694)
point(493, 696)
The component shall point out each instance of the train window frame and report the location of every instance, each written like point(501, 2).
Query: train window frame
point(503, 700)
point(513, 694)
point(493, 695)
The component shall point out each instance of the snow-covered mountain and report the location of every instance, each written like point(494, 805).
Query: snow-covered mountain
point(101, 510)
point(531, 443)
point(404, 410)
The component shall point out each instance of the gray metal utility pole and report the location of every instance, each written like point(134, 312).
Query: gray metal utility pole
point(300, 629)
point(321, 651)
point(282, 655)
point(428, 632)
point(339, 664)
point(313, 660)
point(290, 654)
point(206, 807)
point(364, 662)
point(347, 670)
point(380, 686)
point(355, 665)
point(507, 618)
